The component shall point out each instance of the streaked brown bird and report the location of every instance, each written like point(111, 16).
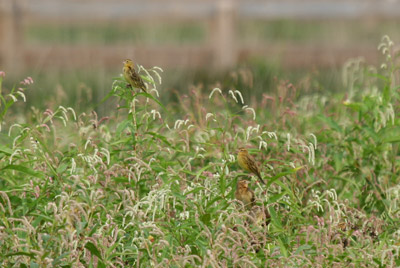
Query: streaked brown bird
point(245, 194)
point(131, 76)
point(260, 216)
point(248, 163)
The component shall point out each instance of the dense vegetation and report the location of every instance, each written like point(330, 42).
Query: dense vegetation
point(152, 184)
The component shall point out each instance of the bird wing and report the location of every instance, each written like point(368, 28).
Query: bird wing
point(254, 168)
point(138, 80)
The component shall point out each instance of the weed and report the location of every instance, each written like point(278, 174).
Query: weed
point(148, 187)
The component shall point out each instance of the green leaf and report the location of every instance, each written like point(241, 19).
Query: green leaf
point(162, 138)
point(283, 248)
point(356, 106)
point(111, 93)
point(40, 217)
point(151, 97)
point(282, 174)
point(390, 134)
point(147, 79)
point(34, 265)
point(122, 126)
point(5, 150)
point(382, 77)
point(275, 197)
point(121, 179)
point(302, 248)
point(288, 191)
point(121, 141)
point(391, 139)
point(93, 249)
point(195, 190)
point(215, 199)
point(274, 218)
point(201, 171)
point(111, 249)
point(61, 168)
point(332, 123)
point(21, 253)
point(206, 218)
point(25, 170)
point(222, 185)
point(348, 180)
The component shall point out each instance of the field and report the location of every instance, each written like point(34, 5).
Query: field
point(151, 181)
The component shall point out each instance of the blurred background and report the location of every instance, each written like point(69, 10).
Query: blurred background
point(74, 48)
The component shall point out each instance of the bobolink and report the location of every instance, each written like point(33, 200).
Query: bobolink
point(245, 194)
point(131, 76)
point(258, 215)
point(247, 162)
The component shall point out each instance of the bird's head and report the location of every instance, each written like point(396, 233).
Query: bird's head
point(128, 62)
point(243, 185)
point(242, 150)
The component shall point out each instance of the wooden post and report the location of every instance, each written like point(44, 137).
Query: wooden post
point(223, 35)
point(10, 35)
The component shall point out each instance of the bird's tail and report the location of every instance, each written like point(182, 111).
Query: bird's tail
point(260, 178)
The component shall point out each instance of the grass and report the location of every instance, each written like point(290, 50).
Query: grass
point(280, 31)
point(345, 31)
point(83, 88)
point(152, 184)
point(111, 33)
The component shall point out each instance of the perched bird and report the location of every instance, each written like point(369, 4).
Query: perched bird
point(247, 162)
point(258, 215)
point(131, 76)
point(244, 194)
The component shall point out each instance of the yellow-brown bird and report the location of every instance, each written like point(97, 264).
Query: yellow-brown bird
point(131, 76)
point(247, 162)
point(245, 194)
point(258, 215)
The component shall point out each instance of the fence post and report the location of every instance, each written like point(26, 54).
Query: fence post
point(10, 35)
point(223, 35)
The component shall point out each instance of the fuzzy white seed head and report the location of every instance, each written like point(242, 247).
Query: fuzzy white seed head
point(215, 90)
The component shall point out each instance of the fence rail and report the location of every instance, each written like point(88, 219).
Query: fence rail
point(221, 49)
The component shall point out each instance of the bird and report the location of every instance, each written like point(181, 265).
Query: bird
point(248, 163)
point(245, 194)
point(131, 76)
point(258, 215)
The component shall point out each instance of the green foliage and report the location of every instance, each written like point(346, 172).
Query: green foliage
point(103, 33)
point(146, 186)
